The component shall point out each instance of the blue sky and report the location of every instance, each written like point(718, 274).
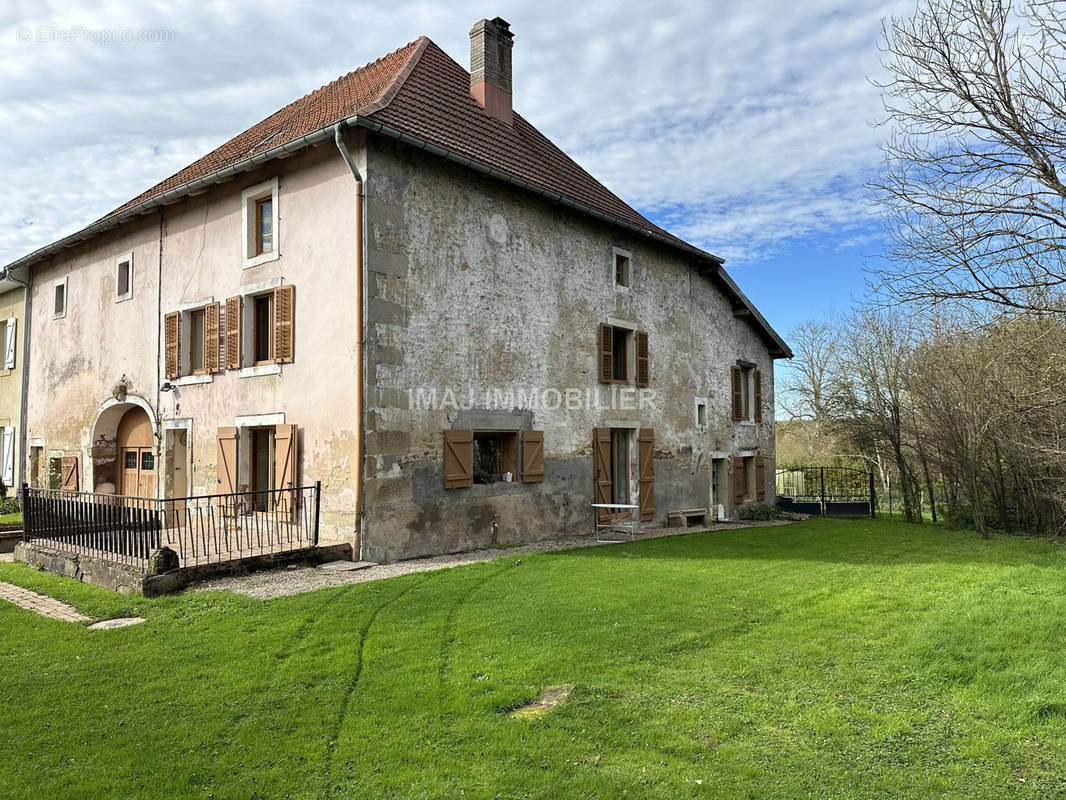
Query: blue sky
point(742, 127)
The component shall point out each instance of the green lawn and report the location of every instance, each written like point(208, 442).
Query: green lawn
point(11, 519)
point(837, 659)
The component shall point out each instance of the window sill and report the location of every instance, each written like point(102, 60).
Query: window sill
point(262, 369)
point(255, 261)
point(122, 298)
point(192, 380)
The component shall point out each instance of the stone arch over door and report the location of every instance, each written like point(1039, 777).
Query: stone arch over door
point(104, 453)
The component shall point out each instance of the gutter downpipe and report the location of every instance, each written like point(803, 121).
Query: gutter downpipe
point(27, 305)
point(360, 344)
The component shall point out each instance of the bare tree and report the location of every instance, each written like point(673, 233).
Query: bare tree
point(972, 180)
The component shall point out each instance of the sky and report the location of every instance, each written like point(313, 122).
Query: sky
point(745, 128)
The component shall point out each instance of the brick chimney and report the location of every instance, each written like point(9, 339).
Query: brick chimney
point(490, 67)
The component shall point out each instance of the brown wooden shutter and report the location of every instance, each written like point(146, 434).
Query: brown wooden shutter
point(643, 373)
point(760, 479)
point(646, 451)
point(234, 306)
point(212, 336)
point(738, 481)
point(738, 392)
point(606, 351)
point(285, 438)
point(757, 380)
point(601, 465)
point(171, 334)
point(69, 473)
point(458, 459)
point(532, 456)
point(283, 324)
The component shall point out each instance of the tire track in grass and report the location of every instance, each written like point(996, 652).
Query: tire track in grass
point(448, 635)
point(338, 725)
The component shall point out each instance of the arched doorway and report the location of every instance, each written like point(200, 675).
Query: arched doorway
point(135, 455)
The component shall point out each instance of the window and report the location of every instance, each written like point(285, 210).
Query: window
point(264, 226)
point(196, 341)
point(623, 354)
point(621, 261)
point(37, 462)
point(263, 329)
point(192, 339)
point(124, 278)
point(618, 358)
point(261, 478)
point(701, 413)
point(259, 215)
point(747, 392)
point(619, 466)
point(495, 457)
point(621, 270)
point(59, 307)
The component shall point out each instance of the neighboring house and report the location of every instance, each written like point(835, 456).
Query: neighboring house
point(398, 287)
point(12, 315)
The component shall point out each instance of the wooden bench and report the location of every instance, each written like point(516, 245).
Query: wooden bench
point(686, 517)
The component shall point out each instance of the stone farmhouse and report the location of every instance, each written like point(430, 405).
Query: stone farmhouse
point(398, 287)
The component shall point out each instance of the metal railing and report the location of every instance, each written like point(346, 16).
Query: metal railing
point(206, 529)
point(826, 491)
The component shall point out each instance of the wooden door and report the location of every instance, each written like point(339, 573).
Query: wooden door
point(135, 473)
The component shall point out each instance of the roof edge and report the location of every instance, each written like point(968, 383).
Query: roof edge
point(399, 78)
point(361, 120)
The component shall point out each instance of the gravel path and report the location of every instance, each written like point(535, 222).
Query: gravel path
point(279, 583)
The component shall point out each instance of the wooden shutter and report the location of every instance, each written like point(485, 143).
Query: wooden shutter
point(757, 380)
point(606, 351)
point(458, 459)
point(646, 452)
point(234, 307)
point(643, 374)
point(738, 481)
point(738, 392)
point(601, 465)
point(285, 439)
point(9, 456)
point(9, 344)
point(532, 456)
point(226, 465)
point(211, 337)
point(69, 473)
point(171, 335)
point(283, 324)
point(760, 478)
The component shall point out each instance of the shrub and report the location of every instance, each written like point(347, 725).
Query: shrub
point(10, 505)
point(761, 513)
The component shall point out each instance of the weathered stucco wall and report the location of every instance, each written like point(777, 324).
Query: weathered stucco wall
point(474, 286)
point(78, 360)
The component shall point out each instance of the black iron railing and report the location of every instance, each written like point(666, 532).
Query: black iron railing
point(207, 529)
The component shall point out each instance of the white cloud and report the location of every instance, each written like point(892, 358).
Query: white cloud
point(741, 126)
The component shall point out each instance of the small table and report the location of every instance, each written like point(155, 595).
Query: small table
point(614, 524)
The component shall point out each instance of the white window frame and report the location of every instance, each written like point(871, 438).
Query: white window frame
point(66, 298)
point(615, 253)
point(249, 197)
point(187, 377)
point(125, 259)
point(699, 401)
point(248, 294)
point(10, 342)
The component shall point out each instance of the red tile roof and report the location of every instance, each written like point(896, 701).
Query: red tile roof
point(421, 91)
point(333, 102)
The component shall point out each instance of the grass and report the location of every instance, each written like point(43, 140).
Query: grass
point(11, 519)
point(843, 659)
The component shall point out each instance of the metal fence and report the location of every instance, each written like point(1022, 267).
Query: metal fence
point(208, 529)
point(826, 491)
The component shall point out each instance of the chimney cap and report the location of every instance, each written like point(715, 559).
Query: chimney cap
point(502, 26)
